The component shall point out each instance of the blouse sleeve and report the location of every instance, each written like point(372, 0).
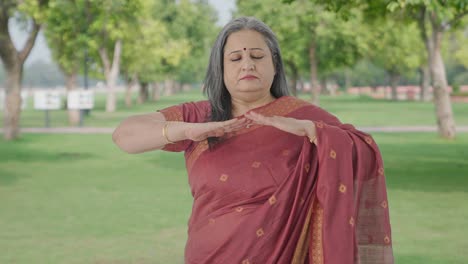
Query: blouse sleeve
point(192, 112)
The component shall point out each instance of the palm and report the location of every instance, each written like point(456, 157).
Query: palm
point(287, 124)
point(202, 131)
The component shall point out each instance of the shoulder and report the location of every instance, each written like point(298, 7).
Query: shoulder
point(202, 106)
point(193, 112)
point(306, 110)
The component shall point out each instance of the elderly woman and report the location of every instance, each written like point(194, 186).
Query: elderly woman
point(274, 179)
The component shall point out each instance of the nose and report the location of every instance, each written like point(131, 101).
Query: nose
point(248, 64)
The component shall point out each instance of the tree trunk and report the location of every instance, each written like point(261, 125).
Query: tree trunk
point(293, 86)
point(443, 105)
point(301, 84)
point(111, 72)
point(314, 83)
point(186, 87)
point(323, 86)
point(177, 87)
point(347, 82)
point(143, 94)
point(394, 81)
point(70, 84)
point(13, 61)
point(168, 87)
point(156, 91)
point(131, 83)
point(294, 78)
point(425, 82)
point(12, 109)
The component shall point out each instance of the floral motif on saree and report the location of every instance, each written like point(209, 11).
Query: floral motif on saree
point(262, 195)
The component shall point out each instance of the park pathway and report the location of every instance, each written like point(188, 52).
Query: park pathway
point(108, 130)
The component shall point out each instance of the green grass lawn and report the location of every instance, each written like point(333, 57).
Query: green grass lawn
point(360, 111)
point(78, 199)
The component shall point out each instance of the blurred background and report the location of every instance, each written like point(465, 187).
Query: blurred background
point(73, 69)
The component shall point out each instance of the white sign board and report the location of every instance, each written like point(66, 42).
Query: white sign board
point(80, 99)
point(24, 99)
point(47, 100)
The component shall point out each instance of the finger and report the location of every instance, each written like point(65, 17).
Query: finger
point(236, 128)
point(260, 119)
point(240, 123)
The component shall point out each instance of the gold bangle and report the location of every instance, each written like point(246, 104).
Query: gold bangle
point(164, 132)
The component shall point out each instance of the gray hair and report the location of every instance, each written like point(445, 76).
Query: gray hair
point(214, 87)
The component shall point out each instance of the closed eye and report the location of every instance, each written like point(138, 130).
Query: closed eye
point(257, 57)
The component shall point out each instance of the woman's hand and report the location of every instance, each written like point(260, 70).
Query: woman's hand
point(287, 124)
point(202, 131)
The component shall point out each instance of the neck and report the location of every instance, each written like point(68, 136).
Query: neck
point(241, 106)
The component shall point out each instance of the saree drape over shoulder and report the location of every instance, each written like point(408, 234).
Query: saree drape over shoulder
point(262, 195)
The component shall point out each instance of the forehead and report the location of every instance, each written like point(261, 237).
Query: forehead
point(248, 39)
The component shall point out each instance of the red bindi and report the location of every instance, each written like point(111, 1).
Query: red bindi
point(245, 49)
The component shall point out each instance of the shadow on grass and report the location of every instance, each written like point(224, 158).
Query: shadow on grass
point(21, 153)
point(414, 259)
point(34, 155)
point(8, 177)
point(432, 166)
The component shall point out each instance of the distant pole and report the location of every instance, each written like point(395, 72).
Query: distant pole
point(47, 118)
point(86, 55)
point(84, 112)
point(86, 75)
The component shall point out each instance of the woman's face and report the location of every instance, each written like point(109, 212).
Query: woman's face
point(248, 65)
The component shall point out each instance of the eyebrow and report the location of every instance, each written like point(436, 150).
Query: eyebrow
point(241, 50)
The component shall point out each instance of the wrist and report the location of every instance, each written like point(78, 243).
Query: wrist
point(175, 131)
point(310, 131)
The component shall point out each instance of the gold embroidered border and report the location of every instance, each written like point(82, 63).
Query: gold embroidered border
point(196, 152)
point(172, 114)
point(302, 246)
point(317, 240)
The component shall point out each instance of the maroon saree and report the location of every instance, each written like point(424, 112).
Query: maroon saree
point(267, 196)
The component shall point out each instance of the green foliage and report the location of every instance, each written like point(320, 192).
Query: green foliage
point(76, 26)
point(445, 12)
point(340, 43)
point(66, 34)
point(196, 22)
point(191, 23)
point(35, 9)
point(396, 47)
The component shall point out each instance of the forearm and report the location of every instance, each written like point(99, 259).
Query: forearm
point(143, 133)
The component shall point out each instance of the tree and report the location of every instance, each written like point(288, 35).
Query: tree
point(308, 31)
point(434, 17)
point(395, 48)
point(190, 23)
point(109, 24)
point(441, 16)
point(32, 12)
point(196, 22)
point(151, 49)
point(65, 33)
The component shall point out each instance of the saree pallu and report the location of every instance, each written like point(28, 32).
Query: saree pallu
point(262, 195)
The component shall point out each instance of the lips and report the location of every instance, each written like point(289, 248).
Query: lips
point(249, 77)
